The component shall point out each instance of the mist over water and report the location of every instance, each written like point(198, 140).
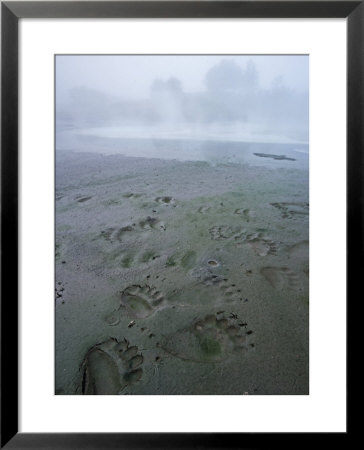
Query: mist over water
point(183, 107)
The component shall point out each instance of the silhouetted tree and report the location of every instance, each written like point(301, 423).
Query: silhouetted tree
point(227, 77)
point(172, 86)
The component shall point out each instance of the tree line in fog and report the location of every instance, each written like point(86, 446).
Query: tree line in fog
point(230, 94)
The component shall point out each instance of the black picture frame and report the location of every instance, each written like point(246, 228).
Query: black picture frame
point(11, 12)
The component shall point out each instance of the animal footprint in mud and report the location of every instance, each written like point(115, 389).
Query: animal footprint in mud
point(246, 213)
point(141, 301)
point(152, 223)
point(108, 368)
point(221, 232)
point(262, 246)
point(148, 256)
point(165, 200)
point(229, 291)
point(290, 210)
point(116, 234)
point(59, 291)
point(204, 209)
point(280, 277)
point(214, 338)
point(131, 259)
point(138, 301)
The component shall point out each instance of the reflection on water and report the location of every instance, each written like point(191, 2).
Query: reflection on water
point(216, 148)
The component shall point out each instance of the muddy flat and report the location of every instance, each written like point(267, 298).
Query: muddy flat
point(180, 277)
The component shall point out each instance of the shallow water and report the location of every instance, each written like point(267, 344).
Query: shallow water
point(215, 148)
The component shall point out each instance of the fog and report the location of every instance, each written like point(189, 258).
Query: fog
point(228, 97)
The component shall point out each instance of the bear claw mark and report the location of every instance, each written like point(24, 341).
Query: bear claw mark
point(229, 291)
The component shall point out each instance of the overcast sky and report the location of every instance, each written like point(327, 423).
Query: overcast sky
point(130, 76)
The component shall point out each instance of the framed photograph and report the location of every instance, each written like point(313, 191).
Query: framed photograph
point(181, 221)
